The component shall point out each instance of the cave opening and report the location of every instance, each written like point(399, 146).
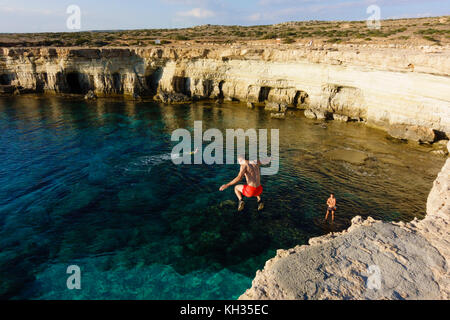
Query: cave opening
point(117, 82)
point(74, 83)
point(152, 81)
point(5, 80)
point(181, 85)
point(221, 96)
point(207, 87)
point(301, 98)
point(264, 94)
point(41, 81)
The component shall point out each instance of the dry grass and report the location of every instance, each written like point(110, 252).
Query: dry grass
point(420, 31)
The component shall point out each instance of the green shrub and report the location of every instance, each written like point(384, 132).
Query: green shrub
point(181, 37)
point(81, 41)
point(270, 36)
point(334, 40)
point(288, 40)
point(429, 38)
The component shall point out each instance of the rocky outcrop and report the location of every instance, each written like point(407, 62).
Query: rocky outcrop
point(369, 84)
point(414, 133)
point(370, 260)
point(90, 95)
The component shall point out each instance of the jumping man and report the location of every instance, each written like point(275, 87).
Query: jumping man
point(253, 188)
point(331, 202)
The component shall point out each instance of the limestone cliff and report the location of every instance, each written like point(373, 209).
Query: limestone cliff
point(371, 84)
point(370, 260)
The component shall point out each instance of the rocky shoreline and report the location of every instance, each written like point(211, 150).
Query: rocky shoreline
point(370, 84)
point(370, 260)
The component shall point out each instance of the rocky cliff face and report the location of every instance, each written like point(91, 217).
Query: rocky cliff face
point(373, 85)
point(370, 260)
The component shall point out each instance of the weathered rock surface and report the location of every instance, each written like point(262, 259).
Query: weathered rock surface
point(414, 133)
point(340, 117)
point(371, 84)
point(310, 114)
point(90, 95)
point(278, 115)
point(172, 97)
point(370, 260)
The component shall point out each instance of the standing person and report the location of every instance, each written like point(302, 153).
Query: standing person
point(253, 188)
point(331, 202)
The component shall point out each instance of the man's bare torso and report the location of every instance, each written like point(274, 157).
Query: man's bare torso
point(252, 174)
point(331, 202)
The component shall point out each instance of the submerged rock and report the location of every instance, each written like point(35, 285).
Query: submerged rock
point(352, 156)
point(442, 153)
point(414, 133)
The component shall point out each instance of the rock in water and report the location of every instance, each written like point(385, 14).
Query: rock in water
point(172, 97)
point(278, 115)
point(90, 95)
point(310, 114)
point(340, 117)
point(414, 133)
point(272, 106)
point(321, 115)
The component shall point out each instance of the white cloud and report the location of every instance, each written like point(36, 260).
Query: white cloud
point(197, 13)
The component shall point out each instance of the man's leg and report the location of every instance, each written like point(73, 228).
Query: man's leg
point(238, 191)
point(332, 215)
point(260, 203)
point(326, 216)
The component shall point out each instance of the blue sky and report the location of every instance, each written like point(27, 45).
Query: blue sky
point(51, 16)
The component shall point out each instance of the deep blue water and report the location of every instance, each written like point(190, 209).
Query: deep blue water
point(79, 184)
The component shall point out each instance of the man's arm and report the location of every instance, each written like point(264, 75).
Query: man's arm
point(235, 180)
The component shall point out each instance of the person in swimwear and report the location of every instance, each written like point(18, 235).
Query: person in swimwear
point(331, 202)
point(253, 188)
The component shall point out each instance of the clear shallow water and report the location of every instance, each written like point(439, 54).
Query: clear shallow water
point(80, 184)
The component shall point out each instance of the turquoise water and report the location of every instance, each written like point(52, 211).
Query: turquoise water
point(79, 184)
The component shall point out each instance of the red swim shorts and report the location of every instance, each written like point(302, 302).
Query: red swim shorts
point(250, 191)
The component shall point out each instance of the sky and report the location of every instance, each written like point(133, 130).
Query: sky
point(51, 15)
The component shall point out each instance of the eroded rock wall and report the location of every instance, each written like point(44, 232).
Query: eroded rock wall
point(361, 84)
